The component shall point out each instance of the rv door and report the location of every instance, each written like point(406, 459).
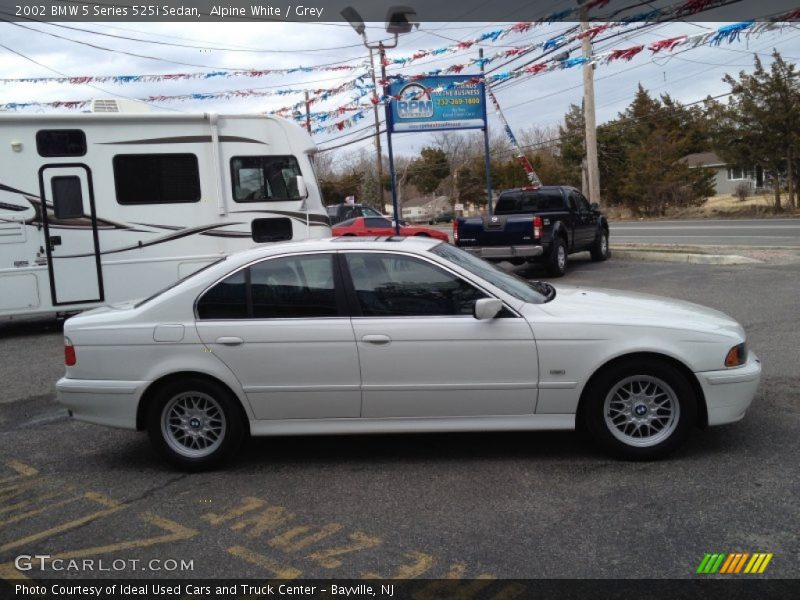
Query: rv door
point(70, 234)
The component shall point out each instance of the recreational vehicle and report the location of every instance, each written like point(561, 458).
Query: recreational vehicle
point(103, 208)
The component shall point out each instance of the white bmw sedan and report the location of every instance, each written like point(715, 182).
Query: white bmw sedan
point(356, 335)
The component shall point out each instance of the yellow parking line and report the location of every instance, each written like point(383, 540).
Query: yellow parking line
point(112, 507)
point(175, 533)
point(265, 562)
point(764, 564)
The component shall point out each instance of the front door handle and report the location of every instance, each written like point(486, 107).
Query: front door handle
point(378, 340)
point(230, 341)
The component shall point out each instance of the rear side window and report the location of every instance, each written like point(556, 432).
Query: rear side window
point(278, 288)
point(156, 178)
point(528, 202)
point(60, 142)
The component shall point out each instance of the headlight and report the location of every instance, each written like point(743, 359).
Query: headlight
point(736, 356)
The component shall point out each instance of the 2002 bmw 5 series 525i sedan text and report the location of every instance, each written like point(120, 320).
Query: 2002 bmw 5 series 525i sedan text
point(355, 335)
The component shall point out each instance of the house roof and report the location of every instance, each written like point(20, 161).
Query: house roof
point(703, 159)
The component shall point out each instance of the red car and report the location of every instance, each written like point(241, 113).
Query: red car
point(378, 226)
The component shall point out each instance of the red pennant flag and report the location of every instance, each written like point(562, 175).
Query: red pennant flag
point(625, 54)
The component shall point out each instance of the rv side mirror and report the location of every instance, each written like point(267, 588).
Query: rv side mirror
point(486, 308)
point(302, 190)
point(594, 206)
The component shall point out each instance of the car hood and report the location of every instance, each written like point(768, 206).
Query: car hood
point(605, 306)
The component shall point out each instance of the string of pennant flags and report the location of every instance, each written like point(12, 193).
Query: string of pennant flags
point(724, 34)
point(689, 7)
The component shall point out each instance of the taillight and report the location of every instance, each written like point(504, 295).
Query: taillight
point(537, 228)
point(69, 353)
point(455, 230)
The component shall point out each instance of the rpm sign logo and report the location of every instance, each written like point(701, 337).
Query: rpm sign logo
point(415, 102)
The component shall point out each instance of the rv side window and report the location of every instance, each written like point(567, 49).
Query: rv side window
point(60, 142)
point(264, 178)
point(156, 178)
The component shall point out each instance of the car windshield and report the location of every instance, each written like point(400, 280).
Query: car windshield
point(535, 292)
point(181, 280)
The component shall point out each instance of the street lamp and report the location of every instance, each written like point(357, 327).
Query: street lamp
point(399, 19)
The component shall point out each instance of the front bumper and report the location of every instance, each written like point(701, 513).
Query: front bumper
point(729, 393)
point(112, 403)
point(499, 252)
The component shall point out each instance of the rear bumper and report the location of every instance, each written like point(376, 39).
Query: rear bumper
point(729, 393)
point(112, 403)
point(505, 251)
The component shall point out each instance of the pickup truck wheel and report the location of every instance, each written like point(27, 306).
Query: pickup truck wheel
point(599, 250)
point(640, 410)
point(556, 264)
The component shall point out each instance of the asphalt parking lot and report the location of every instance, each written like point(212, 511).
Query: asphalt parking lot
point(511, 505)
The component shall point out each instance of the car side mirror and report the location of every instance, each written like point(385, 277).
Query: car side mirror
point(302, 190)
point(486, 308)
point(594, 206)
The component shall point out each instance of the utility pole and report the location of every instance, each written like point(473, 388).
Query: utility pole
point(592, 168)
point(308, 114)
point(378, 150)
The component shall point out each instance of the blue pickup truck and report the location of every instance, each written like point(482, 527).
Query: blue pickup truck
point(536, 224)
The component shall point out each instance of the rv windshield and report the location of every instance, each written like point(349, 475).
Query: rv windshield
point(178, 282)
point(264, 178)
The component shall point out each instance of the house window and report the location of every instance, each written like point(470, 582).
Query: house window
point(156, 178)
point(735, 173)
point(264, 178)
point(61, 142)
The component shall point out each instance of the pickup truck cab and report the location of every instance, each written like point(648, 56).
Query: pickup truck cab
point(544, 224)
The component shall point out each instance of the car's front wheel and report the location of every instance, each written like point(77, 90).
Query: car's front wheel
point(195, 424)
point(599, 250)
point(640, 410)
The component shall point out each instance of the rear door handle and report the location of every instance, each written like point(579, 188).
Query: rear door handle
point(378, 340)
point(230, 341)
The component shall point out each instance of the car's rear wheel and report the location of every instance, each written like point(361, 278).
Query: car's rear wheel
point(195, 424)
point(556, 264)
point(640, 410)
point(599, 250)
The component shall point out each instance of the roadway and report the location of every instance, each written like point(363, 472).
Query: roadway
point(709, 232)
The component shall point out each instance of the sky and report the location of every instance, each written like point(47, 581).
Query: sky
point(535, 101)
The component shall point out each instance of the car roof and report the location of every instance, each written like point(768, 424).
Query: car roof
point(389, 243)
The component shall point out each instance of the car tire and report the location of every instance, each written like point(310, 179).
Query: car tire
point(556, 264)
point(599, 250)
point(642, 409)
point(195, 424)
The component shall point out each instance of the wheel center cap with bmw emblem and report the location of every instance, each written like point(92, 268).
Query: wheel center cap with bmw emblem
point(640, 410)
point(195, 423)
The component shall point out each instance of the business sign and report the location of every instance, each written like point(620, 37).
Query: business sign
point(436, 103)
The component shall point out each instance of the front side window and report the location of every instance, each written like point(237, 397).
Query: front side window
point(278, 288)
point(583, 203)
point(377, 223)
point(156, 178)
point(392, 285)
point(264, 178)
